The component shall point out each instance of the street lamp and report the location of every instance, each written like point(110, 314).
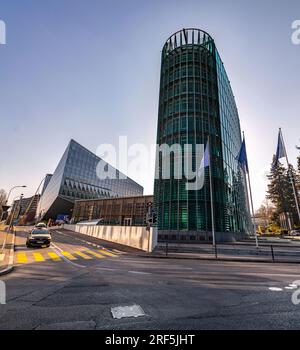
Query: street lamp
point(13, 211)
point(11, 190)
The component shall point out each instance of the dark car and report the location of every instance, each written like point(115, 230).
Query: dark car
point(39, 237)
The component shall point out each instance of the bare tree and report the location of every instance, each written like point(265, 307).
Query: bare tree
point(2, 200)
point(265, 212)
point(2, 197)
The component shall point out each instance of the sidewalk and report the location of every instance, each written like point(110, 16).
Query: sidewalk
point(7, 240)
point(241, 252)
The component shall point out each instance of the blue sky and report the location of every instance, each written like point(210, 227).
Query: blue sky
point(89, 70)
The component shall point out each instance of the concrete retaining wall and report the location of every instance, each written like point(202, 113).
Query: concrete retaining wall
point(133, 236)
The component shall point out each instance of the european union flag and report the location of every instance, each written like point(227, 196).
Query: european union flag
point(242, 157)
point(205, 162)
point(280, 152)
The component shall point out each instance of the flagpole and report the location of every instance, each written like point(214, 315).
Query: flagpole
point(247, 195)
point(248, 200)
point(253, 213)
point(211, 196)
point(290, 174)
point(251, 201)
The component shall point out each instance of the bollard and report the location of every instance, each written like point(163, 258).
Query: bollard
point(216, 251)
point(272, 251)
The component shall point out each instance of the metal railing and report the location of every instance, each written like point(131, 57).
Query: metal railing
point(269, 252)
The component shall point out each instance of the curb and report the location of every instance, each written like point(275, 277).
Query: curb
point(221, 259)
point(10, 265)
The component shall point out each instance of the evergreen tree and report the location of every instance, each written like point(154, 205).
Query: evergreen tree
point(280, 190)
point(295, 179)
point(298, 175)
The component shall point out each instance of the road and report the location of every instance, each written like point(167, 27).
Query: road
point(75, 283)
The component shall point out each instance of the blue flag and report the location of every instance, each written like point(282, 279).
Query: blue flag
point(205, 162)
point(280, 152)
point(242, 157)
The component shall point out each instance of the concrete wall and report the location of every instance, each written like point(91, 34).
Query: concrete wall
point(132, 236)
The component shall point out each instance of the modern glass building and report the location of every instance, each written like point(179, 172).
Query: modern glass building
point(196, 101)
point(46, 181)
point(76, 178)
point(125, 211)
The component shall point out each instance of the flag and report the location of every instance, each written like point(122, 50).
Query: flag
point(280, 152)
point(242, 157)
point(205, 162)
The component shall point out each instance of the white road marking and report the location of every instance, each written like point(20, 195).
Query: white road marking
point(58, 251)
point(275, 289)
point(86, 242)
point(140, 272)
point(20, 248)
point(81, 240)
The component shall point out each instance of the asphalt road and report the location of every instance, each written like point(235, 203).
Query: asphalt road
point(75, 283)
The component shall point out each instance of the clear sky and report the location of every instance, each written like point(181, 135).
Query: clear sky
point(89, 70)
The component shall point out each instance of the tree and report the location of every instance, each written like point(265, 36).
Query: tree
point(266, 213)
point(2, 200)
point(298, 175)
point(280, 189)
point(2, 197)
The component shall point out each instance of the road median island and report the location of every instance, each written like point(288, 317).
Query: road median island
point(7, 243)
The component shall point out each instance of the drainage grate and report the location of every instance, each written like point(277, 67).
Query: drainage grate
point(127, 311)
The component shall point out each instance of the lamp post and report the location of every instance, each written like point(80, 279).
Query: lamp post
point(7, 198)
point(22, 186)
point(13, 213)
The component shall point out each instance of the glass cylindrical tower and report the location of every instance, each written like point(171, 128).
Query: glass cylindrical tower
point(196, 101)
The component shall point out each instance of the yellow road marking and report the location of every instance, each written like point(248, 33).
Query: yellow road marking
point(54, 256)
point(84, 256)
point(22, 258)
point(99, 256)
point(69, 256)
point(38, 257)
point(105, 252)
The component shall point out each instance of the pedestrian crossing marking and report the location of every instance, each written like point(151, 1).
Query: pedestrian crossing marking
point(84, 256)
point(105, 252)
point(69, 255)
point(38, 257)
point(54, 256)
point(99, 256)
point(21, 258)
point(87, 254)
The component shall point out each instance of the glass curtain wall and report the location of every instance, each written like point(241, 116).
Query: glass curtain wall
point(196, 101)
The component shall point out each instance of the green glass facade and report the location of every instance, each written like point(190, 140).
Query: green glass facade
point(195, 101)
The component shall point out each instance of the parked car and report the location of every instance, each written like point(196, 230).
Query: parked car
point(39, 237)
point(295, 233)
